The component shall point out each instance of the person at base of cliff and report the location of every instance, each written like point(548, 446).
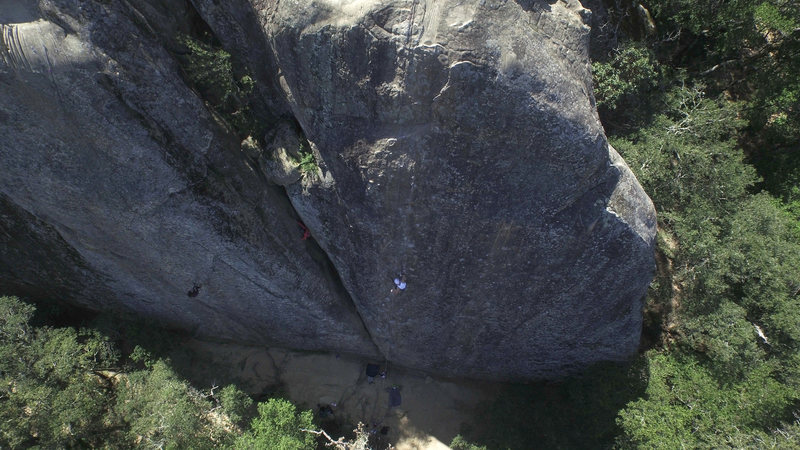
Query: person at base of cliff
point(325, 411)
point(372, 372)
point(394, 396)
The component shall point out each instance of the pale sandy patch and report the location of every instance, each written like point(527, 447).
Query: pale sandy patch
point(430, 415)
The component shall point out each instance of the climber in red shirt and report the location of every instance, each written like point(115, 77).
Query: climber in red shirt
point(306, 231)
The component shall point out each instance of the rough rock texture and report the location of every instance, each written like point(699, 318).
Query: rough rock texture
point(456, 142)
point(603, 35)
point(119, 189)
point(459, 145)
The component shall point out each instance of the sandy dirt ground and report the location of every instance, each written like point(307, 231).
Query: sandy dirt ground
point(430, 415)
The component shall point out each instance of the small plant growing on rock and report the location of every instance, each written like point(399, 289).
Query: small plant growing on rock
point(211, 71)
point(308, 164)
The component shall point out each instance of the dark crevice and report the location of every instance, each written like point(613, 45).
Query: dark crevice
point(198, 26)
point(238, 30)
point(225, 79)
point(329, 271)
point(209, 182)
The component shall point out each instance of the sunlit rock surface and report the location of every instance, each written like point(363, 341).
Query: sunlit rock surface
point(457, 145)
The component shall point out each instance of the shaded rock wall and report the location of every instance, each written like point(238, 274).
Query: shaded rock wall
point(456, 143)
point(110, 161)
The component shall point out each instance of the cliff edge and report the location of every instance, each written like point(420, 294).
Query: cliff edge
point(454, 146)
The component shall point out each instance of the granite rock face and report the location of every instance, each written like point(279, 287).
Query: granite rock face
point(455, 143)
point(119, 189)
point(459, 145)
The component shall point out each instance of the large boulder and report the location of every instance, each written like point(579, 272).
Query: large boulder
point(120, 190)
point(455, 144)
point(458, 145)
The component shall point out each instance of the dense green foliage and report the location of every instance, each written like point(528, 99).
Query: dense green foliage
point(53, 392)
point(735, 263)
point(160, 410)
point(460, 443)
point(307, 163)
point(64, 388)
point(630, 71)
point(750, 50)
point(230, 91)
point(70, 388)
point(727, 374)
point(279, 426)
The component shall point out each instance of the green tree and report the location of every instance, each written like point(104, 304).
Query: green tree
point(686, 406)
point(726, 338)
point(750, 50)
point(279, 426)
point(729, 376)
point(459, 443)
point(52, 394)
point(630, 71)
point(65, 388)
point(235, 403)
point(162, 410)
point(211, 71)
point(687, 158)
